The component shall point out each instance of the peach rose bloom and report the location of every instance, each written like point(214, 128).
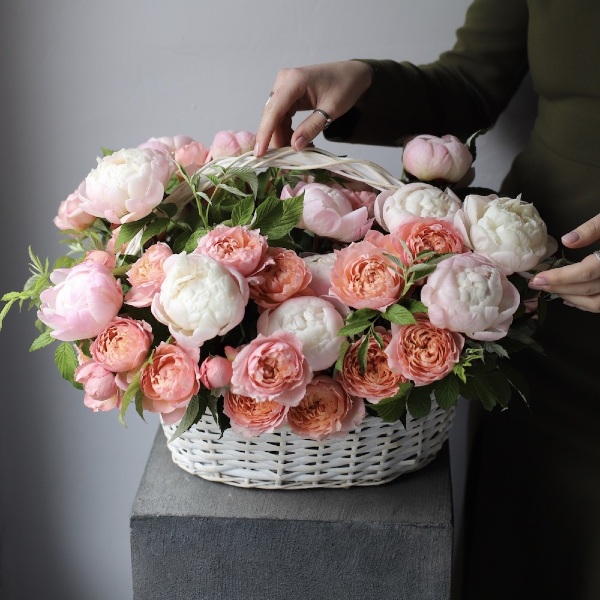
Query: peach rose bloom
point(250, 417)
point(427, 234)
point(272, 368)
point(423, 353)
point(378, 381)
point(146, 274)
point(123, 345)
point(286, 276)
point(101, 392)
point(326, 411)
point(169, 382)
point(364, 277)
point(237, 247)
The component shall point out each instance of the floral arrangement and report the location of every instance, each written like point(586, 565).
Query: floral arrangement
point(203, 279)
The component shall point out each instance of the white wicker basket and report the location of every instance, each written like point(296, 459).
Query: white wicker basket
point(375, 453)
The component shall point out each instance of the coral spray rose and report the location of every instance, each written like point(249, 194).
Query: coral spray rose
point(169, 381)
point(123, 345)
point(364, 276)
point(250, 417)
point(377, 381)
point(272, 368)
point(422, 352)
point(146, 275)
point(326, 411)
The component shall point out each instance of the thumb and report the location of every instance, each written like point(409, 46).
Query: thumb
point(584, 235)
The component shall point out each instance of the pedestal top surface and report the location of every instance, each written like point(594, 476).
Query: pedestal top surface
point(421, 498)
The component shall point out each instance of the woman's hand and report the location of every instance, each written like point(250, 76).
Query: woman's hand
point(577, 284)
point(330, 87)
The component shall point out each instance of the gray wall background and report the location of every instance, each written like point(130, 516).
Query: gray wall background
point(77, 75)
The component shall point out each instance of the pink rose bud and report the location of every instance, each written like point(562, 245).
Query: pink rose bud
point(231, 143)
point(101, 391)
point(215, 372)
point(71, 216)
point(430, 158)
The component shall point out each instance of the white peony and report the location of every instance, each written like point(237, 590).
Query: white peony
point(199, 298)
point(126, 185)
point(508, 231)
point(414, 199)
point(314, 321)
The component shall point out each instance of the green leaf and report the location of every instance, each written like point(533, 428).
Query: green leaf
point(129, 394)
point(399, 315)
point(168, 208)
point(42, 341)
point(275, 218)
point(243, 211)
point(192, 242)
point(362, 353)
point(415, 306)
point(191, 416)
point(339, 364)
point(155, 228)
point(447, 391)
point(106, 151)
point(354, 328)
point(129, 230)
point(419, 401)
point(393, 409)
point(66, 360)
point(515, 379)
point(172, 184)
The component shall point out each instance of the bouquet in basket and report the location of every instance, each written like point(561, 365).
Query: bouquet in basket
point(298, 291)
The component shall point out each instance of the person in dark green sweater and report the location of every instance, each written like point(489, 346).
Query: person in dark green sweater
point(533, 501)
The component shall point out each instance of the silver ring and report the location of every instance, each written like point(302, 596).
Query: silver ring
point(597, 254)
point(269, 98)
point(325, 115)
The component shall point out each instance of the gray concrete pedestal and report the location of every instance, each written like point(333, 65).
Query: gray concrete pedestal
point(193, 539)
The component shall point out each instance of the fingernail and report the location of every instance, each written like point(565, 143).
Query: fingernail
point(569, 304)
point(570, 238)
point(301, 143)
point(256, 148)
point(537, 282)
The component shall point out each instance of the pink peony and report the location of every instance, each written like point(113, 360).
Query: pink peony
point(146, 275)
point(378, 381)
point(123, 345)
point(191, 156)
point(231, 143)
point(167, 143)
point(272, 368)
point(126, 185)
point(328, 212)
point(423, 353)
point(467, 293)
point(101, 392)
point(71, 216)
point(285, 276)
point(431, 158)
point(237, 247)
point(215, 372)
point(363, 276)
point(250, 417)
point(326, 411)
point(82, 301)
point(169, 382)
point(108, 259)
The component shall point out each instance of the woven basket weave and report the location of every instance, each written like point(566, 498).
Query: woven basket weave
point(375, 453)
